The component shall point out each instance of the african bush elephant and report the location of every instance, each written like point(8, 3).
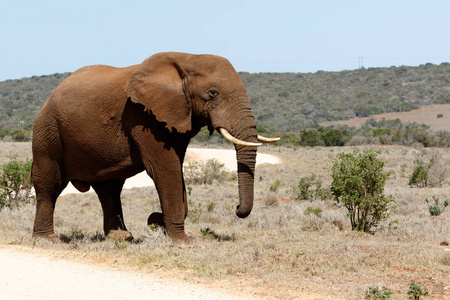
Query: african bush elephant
point(104, 124)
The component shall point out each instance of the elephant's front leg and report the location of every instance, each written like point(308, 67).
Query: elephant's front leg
point(172, 195)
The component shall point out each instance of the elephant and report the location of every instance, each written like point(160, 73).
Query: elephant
point(104, 124)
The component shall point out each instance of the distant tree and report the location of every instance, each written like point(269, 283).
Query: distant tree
point(334, 137)
point(362, 111)
point(311, 138)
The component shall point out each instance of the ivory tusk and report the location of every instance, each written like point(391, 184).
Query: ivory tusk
point(234, 140)
point(267, 140)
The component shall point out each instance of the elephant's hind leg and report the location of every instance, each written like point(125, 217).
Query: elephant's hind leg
point(48, 183)
point(109, 194)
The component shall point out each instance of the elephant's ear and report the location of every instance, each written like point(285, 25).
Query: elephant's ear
point(158, 84)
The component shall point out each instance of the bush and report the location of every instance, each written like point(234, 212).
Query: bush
point(419, 176)
point(305, 191)
point(205, 172)
point(374, 293)
point(333, 137)
point(317, 211)
point(432, 174)
point(358, 183)
point(13, 175)
point(275, 186)
point(415, 291)
point(310, 138)
point(435, 208)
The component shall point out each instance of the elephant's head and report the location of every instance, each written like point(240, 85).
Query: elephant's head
point(190, 91)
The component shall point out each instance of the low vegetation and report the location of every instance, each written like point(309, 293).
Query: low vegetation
point(205, 172)
point(415, 291)
point(12, 176)
point(435, 208)
point(311, 188)
point(372, 132)
point(287, 246)
point(433, 173)
point(375, 293)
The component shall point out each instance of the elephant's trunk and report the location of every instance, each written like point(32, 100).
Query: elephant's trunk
point(240, 129)
point(246, 158)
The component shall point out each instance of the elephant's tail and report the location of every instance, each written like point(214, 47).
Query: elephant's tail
point(27, 180)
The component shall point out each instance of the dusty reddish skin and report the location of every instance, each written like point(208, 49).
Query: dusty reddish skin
point(105, 124)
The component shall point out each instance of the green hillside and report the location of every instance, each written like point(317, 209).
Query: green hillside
point(21, 100)
point(289, 102)
point(281, 102)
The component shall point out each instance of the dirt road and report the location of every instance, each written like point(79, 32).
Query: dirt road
point(27, 275)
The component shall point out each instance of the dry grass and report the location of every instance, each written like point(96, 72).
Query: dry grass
point(278, 251)
point(22, 150)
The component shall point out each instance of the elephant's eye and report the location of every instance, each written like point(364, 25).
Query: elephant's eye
point(213, 93)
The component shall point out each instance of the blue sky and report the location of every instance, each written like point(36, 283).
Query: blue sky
point(43, 37)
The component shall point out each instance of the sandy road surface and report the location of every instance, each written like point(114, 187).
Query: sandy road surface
point(26, 275)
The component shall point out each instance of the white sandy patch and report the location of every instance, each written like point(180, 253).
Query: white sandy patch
point(225, 156)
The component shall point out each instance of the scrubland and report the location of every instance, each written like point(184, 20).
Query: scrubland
point(278, 251)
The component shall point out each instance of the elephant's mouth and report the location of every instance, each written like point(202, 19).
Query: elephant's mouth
point(239, 142)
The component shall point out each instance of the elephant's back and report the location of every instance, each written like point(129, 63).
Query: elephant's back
point(87, 106)
point(93, 83)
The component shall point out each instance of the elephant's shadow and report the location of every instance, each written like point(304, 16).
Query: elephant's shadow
point(96, 238)
point(208, 232)
point(78, 236)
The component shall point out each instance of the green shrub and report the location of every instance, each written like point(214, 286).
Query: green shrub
point(419, 176)
point(204, 172)
point(317, 211)
point(436, 208)
point(13, 175)
point(310, 187)
point(375, 293)
point(195, 212)
point(432, 174)
point(358, 184)
point(210, 207)
point(333, 137)
point(415, 291)
point(210, 233)
point(303, 190)
point(310, 138)
point(275, 186)
point(440, 115)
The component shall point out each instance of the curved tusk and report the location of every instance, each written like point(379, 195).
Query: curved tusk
point(234, 140)
point(267, 140)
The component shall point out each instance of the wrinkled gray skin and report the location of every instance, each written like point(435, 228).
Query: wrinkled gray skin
point(104, 124)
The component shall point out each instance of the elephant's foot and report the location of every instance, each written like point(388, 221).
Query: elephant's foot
point(180, 238)
point(156, 218)
point(52, 237)
point(120, 235)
